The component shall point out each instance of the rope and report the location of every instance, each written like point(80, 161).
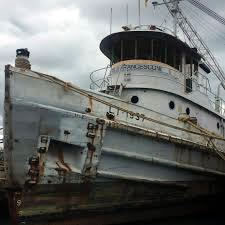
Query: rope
point(204, 131)
point(142, 116)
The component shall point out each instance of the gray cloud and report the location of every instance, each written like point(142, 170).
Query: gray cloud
point(20, 26)
point(63, 36)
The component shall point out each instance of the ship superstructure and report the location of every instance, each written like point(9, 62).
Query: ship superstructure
point(150, 136)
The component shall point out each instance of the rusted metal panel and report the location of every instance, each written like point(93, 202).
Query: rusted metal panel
point(105, 200)
point(81, 131)
point(8, 133)
point(15, 205)
point(63, 158)
point(125, 216)
point(99, 196)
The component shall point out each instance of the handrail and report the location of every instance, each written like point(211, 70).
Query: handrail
point(100, 83)
point(201, 81)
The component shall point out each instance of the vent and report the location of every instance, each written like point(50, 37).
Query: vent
point(22, 59)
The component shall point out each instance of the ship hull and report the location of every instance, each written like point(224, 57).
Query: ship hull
point(73, 152)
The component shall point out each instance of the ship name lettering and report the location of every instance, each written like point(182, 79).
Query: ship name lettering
point(78, 116)
point(133, 67)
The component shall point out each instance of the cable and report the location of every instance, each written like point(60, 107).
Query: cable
point(165, 19)
point(204, 131)
point(198, 42)
point(203, 25)
point(119, 108)
point(205, 28)
point(200, 18)
point(163, 15)
point(208, 11)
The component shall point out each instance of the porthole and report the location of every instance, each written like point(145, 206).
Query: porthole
point(134, 99)
point(171, 104)
point(187, 111)
point(218, 125)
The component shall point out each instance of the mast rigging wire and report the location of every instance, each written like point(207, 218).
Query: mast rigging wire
point(197, 42)
point(208, 11)
point(217, 33)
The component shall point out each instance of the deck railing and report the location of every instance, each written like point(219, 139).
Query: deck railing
point(101, 79)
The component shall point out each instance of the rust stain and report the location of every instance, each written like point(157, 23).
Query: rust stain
point(90, 103)
point(34, 170)
point(67, 86)
point(15, 204)
point(41, 165)
point(61, 159)
point(61, 168)
point(92, 129)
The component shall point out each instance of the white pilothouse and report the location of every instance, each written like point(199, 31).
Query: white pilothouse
point(157, 71)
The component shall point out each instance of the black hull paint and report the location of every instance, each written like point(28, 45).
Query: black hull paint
point(124, 200)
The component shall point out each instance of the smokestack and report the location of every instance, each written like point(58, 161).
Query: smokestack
point(22, 58)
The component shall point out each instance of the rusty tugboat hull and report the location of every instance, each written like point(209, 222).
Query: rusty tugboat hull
point(84, 156)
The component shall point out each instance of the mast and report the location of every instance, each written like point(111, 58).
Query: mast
point(175, 12)
point(139, 13)
point(110, 25)
point(127, 14)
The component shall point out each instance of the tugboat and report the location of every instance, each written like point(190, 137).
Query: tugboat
point(146, 142)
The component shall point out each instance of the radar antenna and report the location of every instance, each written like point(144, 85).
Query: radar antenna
point(194, 38)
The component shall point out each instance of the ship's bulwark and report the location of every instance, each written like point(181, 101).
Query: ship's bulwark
point(68, 153)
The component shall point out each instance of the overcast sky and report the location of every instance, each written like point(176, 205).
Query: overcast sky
point(63, 36)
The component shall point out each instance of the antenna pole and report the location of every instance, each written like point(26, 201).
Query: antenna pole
point(127, 13)
point(175, 19)
point(110, 26)
point(139, 12)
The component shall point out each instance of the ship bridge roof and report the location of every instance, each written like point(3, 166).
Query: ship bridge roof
point(114, 39)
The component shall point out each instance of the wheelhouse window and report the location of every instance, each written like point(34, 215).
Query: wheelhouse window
point(147, 49)
point(153, 46)
point(128, 49)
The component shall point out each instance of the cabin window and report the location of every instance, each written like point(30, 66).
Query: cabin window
point(191, 69)
point(188, 111)
point(188, 85)
point(143, 49)
point(172, 105)
point(128, 49)
point(134, 99)
point(116, 53)
point(195, 67)
point(218, 125)
point(160, 50)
